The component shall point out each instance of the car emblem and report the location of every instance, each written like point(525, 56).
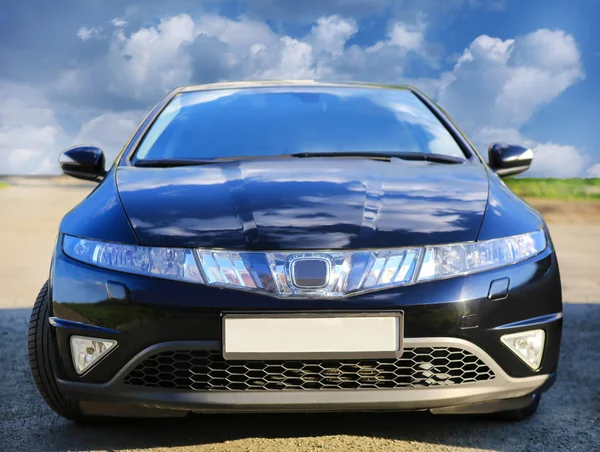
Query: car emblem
point(309, 272)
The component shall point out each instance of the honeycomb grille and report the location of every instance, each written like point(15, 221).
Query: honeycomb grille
point(205, 370)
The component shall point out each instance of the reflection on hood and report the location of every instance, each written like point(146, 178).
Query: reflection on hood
point(305, 204)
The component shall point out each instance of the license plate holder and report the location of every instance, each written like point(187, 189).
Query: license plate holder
point(312, 335)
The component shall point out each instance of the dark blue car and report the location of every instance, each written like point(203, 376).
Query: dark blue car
point(297, 246)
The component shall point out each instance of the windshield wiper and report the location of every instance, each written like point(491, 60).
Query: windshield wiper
point(170, 163)
point(422, 156)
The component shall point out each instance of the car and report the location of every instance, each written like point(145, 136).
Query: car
point(297, 246)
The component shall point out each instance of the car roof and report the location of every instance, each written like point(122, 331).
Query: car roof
point(286, 83)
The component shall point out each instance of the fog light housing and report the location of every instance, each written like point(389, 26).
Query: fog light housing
point(88, 351)
point(527, 345)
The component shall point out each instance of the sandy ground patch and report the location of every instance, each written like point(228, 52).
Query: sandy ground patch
point(579, 212)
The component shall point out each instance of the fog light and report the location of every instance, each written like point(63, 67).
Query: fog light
point(87, 351)
point(527, 345)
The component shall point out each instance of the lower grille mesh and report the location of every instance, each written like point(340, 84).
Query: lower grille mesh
point(205, 370)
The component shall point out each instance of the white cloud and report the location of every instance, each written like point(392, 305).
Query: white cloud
point(118, 22)
point(498, 83)
point(409, 37)
point(29, 130)
point(402, 38)
point(31, 136)
point(594, 170)
point(384, 61)
point(496, 86)
point(85, 33)
point(553, 50)
point(22, 156)
point(143, 64)
point(109, 131)
point(150, 57)
point(549, 159)
point(140, 66)
point(239, 35)
point(289, 58)
point(330, 34)
point(557, 160)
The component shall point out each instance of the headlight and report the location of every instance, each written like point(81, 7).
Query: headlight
point(463, 258)
point(170, 263)
point(344, 272)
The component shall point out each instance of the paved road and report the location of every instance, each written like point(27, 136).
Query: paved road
point(568, 418)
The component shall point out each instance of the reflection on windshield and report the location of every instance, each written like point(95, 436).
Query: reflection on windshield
point(288, 120)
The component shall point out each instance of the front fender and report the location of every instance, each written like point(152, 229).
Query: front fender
point(100, 215)
point(506, 214)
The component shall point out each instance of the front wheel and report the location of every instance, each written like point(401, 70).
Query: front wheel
point(41, 360)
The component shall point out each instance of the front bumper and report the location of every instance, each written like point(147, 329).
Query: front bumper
point(437, 398)
point(160, 314)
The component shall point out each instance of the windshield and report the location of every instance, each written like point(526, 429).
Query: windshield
point(288, 120)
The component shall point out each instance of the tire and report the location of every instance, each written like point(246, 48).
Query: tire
point(522, 413)
point(41, 361)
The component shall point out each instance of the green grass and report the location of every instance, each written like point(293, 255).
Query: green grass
point(566, 189)
point(3, 184)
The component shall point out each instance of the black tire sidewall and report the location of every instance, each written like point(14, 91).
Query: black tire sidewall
point(42, 359)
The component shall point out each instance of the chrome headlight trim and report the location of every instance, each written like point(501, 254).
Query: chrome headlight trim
point(168, 263)
point(447, 261)
point(271, 273)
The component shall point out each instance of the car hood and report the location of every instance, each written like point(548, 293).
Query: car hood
point(316, 203)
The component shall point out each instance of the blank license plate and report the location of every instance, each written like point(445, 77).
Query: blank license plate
point(301, 336)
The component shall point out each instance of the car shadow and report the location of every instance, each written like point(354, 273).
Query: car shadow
point(567, 418)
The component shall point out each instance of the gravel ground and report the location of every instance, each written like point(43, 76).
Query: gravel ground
point(568, 417)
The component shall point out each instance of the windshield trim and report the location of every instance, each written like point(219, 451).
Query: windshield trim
point(128, 154)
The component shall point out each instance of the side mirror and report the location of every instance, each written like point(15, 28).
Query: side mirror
point(507, 160)
point(83, 162)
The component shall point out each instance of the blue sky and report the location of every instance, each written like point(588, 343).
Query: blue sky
point(80, 71)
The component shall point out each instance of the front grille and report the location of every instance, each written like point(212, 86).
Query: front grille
point(205, 370)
